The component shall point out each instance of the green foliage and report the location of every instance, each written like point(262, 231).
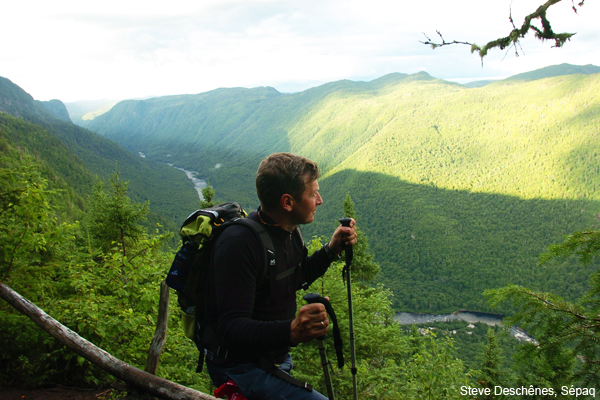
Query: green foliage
point(491, 368)
point(113, 218)
point(363, 267)
point(208, 196)
point(469, 344)
point(31, 244)
point(57, 164)
point(585, 245)
point(565, 330)
point(389, 365)
point(434, 373)
point(103, 293)
point(435, 170)
point(28, 227)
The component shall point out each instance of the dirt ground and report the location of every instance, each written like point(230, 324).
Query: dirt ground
point(63, 393)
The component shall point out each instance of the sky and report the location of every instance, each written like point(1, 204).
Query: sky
point(119, 49)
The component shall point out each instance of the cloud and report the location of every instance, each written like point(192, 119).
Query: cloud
point(81, 50)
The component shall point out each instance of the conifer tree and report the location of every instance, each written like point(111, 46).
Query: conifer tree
point(491, 368)
point(363, 267)
point(28, 227)
point(566, 331)
point(113, 217)
point(208, 197)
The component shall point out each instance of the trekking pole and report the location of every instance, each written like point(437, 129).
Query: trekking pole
point(315, 298)
point(346, 274)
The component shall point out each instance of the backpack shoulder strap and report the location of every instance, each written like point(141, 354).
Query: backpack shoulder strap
point(266, 244)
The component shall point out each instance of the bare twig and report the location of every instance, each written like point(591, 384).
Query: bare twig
point(513, 38)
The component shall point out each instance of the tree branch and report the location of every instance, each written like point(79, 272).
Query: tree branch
point(513, 38)
point(160, 335)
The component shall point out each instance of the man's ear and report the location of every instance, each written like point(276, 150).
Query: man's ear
point(287, 202)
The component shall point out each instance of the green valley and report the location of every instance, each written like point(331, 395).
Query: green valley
point(74, 157)
point(458, 189)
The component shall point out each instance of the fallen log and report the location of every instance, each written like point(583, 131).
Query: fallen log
point(142, 380)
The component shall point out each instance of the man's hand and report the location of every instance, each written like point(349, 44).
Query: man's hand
point(310, 323)
point(342, 236)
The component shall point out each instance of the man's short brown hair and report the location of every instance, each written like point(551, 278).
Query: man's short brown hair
point(283, 173)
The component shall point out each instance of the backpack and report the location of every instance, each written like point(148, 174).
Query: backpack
point(189, 272)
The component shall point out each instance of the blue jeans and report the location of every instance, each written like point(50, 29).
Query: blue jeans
point(257, 384)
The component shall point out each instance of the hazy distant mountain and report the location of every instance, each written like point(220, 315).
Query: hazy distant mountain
point(556, 70)
point(56, 108)
point(458, 189)
point(546, 72)
point(77, 155)
point(476, 84)
point(88, 109)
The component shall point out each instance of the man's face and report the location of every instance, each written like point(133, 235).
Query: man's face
point(304, 208)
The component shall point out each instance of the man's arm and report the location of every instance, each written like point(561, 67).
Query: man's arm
point(318, 263)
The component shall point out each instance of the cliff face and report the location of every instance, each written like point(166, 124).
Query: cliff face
point(56, 108)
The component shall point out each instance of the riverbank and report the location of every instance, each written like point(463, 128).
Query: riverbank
point(471, 317)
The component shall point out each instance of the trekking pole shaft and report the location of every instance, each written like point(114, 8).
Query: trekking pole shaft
point(351, 323)
point(325, 363)
point(349, 256)
point(315, 298)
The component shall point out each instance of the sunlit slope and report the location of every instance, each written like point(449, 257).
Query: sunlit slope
point(458, 190)
point(528, 139)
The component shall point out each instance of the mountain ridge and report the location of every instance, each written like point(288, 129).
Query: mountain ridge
point(89, 155)
point(91, 109)
point(421, 142)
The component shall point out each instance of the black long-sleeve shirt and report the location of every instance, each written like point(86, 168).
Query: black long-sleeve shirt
point(252, 321)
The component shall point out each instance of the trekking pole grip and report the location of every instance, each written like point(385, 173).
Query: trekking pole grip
point(314, 298)
point(337, 337)
point(347, 248)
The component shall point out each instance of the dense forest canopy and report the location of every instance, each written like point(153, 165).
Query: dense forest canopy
point(459, 189)
point(77, 156)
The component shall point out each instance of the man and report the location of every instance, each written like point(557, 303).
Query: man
point(257, 323)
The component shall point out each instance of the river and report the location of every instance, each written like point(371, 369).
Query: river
point(403, 318)
point(199, 183)
point(471, 317)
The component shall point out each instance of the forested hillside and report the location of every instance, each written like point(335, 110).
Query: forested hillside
point(458, 189)
point(77, 157)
